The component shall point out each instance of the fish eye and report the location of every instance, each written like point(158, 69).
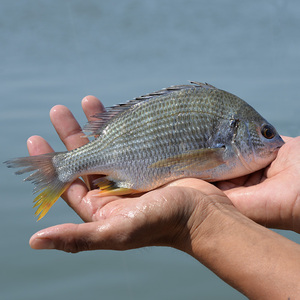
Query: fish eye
point(268, 132)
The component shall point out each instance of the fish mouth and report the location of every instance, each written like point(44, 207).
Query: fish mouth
point(277, 150)
point(277, 144)
point(278, 147)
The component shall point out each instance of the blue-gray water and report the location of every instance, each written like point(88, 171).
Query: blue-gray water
point(56, 52)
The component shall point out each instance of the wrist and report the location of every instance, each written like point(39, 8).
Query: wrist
point(206, 217)
point(253, 259)
point(211, 217)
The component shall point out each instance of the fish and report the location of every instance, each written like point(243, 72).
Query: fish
point(193, 130)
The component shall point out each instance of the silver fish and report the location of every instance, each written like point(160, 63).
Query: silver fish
point(192, 130)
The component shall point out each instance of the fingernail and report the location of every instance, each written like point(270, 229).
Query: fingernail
point(42, 244)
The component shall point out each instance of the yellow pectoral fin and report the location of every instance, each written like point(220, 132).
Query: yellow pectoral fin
point(198, 160)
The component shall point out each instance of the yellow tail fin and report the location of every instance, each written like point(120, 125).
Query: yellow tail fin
point(45, 178)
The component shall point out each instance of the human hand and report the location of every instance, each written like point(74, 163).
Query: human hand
point(249, 194)
point(190, 215)
point(160, 217)
point(271, 196)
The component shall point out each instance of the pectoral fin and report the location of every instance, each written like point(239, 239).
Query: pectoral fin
point(194, 160)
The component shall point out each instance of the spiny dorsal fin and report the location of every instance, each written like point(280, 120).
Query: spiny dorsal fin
point(203, 85)
point(95, 127)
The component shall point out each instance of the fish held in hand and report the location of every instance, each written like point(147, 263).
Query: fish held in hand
point(191, 130)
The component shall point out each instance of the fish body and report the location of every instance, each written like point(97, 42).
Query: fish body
point(192, 130)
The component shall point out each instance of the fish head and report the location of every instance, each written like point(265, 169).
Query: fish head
point(257, 143)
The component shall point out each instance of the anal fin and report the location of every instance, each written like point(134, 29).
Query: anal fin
point(117, 192)
point(111, 188)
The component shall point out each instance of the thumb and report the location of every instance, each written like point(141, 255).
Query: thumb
point(80, 237)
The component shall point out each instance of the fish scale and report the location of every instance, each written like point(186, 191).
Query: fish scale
point(192, 130)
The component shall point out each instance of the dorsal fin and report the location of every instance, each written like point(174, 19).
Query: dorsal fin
point(95, 127)
point(203, 85)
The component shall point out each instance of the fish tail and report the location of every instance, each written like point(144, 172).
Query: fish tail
point(45, 177)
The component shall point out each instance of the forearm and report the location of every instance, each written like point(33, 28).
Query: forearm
point(253, 259)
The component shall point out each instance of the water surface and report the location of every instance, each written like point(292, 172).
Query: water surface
point(56, 52)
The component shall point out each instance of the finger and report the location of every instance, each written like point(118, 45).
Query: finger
point(71, 135)
point(255, 203)
point(36, 145)
point(82, 237)
point(91, 105)
point(67, 127)
point(74, 195)
point(286, 138)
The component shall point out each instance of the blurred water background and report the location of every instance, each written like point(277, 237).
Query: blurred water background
point(56, 52)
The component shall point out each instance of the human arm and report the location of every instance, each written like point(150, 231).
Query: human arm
point(251, 258)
